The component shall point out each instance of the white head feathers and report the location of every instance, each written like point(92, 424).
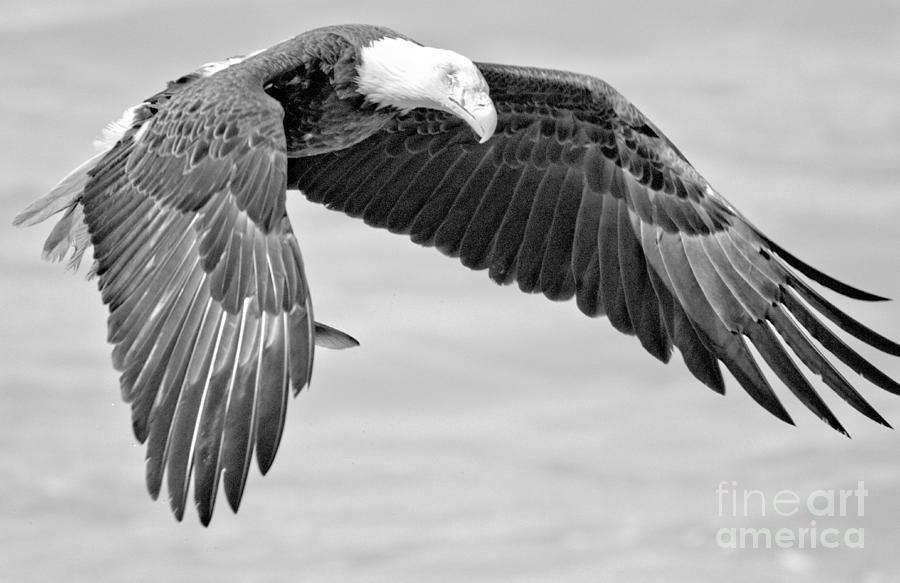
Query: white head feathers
point(399, 73)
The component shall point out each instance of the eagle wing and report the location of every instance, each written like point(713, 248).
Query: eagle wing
point(579, 194)
point(210, 312)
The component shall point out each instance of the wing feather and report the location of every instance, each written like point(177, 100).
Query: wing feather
point(556, 278)
point(537, 229)
point(613, 296)
point(415, 195)
point(480, 235)
point(641, 301)
point(504, 265)
point(455, 221)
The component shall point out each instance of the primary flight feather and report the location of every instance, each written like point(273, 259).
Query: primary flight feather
point(549, 179)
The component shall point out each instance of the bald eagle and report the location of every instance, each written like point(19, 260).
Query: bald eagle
point(549, 179)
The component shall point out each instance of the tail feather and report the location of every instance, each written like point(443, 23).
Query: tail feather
point(329, 337)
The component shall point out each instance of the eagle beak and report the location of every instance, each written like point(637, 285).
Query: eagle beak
point(483, 121)
point(481, 116)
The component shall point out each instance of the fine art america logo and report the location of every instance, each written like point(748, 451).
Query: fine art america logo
point(790, 519)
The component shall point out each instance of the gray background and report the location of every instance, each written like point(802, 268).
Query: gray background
point(478, 434)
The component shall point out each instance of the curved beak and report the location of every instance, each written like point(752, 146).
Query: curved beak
point(480, 116)
point(483, 120)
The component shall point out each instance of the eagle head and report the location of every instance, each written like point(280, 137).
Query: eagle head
point(399, 73)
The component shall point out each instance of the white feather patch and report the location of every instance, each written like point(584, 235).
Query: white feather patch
point(115, 129)
point(403, 74)
point(209, 69)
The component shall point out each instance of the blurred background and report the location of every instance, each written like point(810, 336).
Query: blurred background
point(477, 434)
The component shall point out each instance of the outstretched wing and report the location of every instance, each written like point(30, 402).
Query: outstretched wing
point(209, 308)
point(578, 194)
